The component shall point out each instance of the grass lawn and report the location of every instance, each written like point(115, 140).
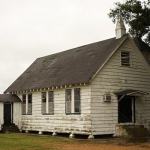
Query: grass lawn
point(36, 142)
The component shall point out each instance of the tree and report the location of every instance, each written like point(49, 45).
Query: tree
point(136, 14)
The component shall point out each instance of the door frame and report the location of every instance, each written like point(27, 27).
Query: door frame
point(133, 107)
point(11, 115)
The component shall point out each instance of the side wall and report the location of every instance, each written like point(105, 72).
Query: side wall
point(17, 114)
point(1, 114)
point(59, 122)
point(114, 77)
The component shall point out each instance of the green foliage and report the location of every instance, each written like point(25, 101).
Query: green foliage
point(136, 15)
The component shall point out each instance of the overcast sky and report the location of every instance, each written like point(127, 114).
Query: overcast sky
point(35, 28)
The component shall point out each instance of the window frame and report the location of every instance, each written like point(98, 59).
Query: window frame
point(24, 99)
point(29, 96)
point(124, 64)
point(77, 100)
point(68, 113)
point(26, 103)
point(47, 103)
point(72, 102)
point(43, 97)
point(50, 102)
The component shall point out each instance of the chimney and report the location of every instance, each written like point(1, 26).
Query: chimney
point(120, 27)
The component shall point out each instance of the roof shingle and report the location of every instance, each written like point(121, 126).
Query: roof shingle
point(73, 66)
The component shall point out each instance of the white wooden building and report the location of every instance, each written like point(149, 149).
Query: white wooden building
point(87, 90)
point(10, 108)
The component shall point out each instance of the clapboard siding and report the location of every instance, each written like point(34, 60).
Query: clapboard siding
point(97, 117)
point(17, 114)
point(1, 115)
point(113, 77)
point(60, 122)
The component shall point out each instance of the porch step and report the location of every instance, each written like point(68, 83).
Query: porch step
point(10, 128)
point(131, 131)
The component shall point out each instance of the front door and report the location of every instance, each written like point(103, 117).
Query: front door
point(126, 110)
point(7, 113)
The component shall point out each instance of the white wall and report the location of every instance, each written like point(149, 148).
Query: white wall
point(17, 114)
point(59, 122)
point(114, 77)
point(1, 114)
point(96, 116)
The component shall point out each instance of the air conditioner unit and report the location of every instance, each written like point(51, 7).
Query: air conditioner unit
point(107, 98)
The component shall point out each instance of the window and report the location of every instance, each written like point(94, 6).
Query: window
point(26, 104)
point(77, 100)
point(23, 104)
point(68, 101)
point(29, 104)
point(43, 96)
point(47, 102)
point(125, 58)
point(51, 102)
point(73, 101)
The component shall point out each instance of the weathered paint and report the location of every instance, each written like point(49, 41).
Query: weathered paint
point(17, 114)
point(114, 77)
point(59, 122)
point(97, 116)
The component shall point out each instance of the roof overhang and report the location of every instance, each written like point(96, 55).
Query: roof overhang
point(9, 98)
point(130, 92)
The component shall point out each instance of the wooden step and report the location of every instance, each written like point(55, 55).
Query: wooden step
point(10, 128)
point(137, 131)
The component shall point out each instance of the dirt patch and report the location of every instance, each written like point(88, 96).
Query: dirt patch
point(106, 144)
point(88, 146)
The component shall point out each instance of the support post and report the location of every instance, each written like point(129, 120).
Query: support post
point(91, 136)
point(40, 132)
point(71, 135)
point(54, 133)
point(26, 131)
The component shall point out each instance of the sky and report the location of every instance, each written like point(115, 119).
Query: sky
point(34, 28)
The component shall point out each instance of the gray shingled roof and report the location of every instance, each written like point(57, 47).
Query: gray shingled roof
point(74, 66)
point(9, 98)
point(145, 49)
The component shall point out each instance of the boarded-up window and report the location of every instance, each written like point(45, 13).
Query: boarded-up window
point(51, 102)
point(77, 108)
point(23, 104)
point(43, 97)
point(30, 104)
point(125, 58)
point(68, 101)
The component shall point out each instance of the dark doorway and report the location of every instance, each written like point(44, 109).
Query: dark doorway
point(7, 113)
point(126, 110)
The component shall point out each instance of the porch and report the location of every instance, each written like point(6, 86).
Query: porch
point(128, 121)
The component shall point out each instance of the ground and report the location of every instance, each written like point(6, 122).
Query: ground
point(47, 142)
